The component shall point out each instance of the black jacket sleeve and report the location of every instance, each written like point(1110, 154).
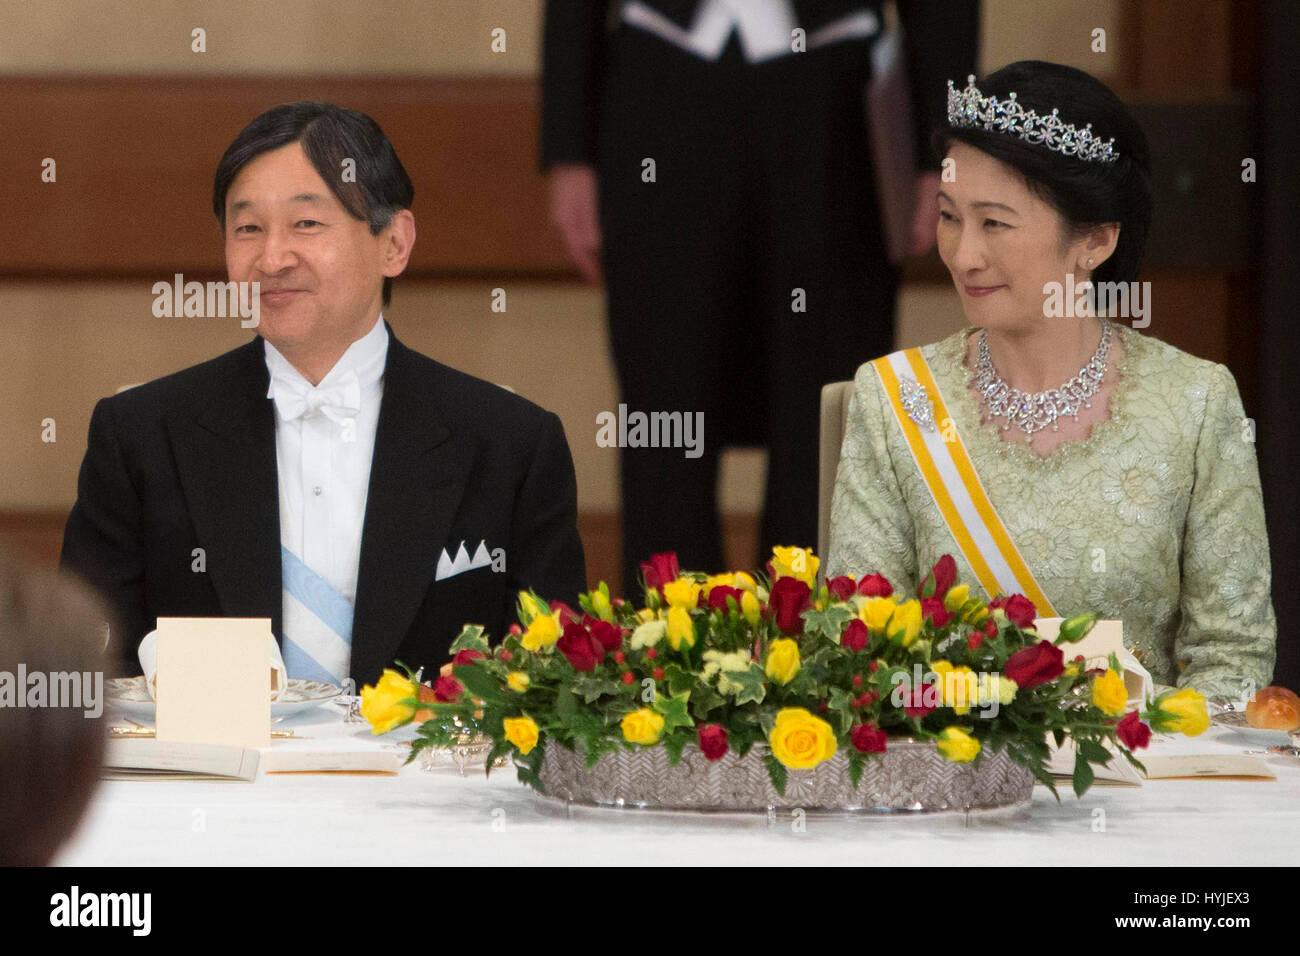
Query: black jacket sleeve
point(574, 48)
point(545, 551)
point(941, 41)
point(102, 539)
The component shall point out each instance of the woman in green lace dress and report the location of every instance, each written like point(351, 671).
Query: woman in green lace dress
point(1144, 506)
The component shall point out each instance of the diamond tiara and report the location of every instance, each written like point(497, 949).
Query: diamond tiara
point(972, 109)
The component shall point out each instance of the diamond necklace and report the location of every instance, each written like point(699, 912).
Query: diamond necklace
point(1032, 413)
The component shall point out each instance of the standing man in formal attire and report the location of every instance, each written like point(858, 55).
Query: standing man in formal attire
point(367, 499)
point(709, 161)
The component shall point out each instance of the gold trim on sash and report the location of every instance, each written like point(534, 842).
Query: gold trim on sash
point(972, 488)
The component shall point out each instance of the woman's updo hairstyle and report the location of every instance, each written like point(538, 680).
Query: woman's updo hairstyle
point(1084, 193)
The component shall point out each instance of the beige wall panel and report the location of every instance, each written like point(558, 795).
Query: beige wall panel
point(64, 346)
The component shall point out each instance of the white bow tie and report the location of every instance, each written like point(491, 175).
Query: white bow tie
point(337, 402)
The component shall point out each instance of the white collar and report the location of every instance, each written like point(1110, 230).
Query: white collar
point(366, 357)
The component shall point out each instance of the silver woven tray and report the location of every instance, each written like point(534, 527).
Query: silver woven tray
point(910, 777)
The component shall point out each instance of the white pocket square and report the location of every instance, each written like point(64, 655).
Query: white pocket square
point(447, 567)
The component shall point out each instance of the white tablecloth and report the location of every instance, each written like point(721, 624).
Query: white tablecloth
point(438, 817)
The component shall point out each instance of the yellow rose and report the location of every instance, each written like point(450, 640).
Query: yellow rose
point(600, 604)
point(522, 732)
point(542, 632)
point(876, 613)
point(518, 681)
point(958, 686)
point(1109, 693)
point(906, 623)
point(745, 582)
point(799, 563)
point(680, 628)
point(382, 705)
point(1181, 713)
point(683, 593)
point(531, 607)
point(956, 597)
point(645, 614)
point(957, 745)
point(642, 726)
point(749, 607)
point(800, 740)
point(782, 660)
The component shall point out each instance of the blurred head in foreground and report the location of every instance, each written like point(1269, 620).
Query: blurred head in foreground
point(52, 626)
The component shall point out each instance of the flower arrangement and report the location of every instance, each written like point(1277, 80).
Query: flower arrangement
point(800, 670)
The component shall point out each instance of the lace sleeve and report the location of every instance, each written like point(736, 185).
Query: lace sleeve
point(1227, 636)
point(871, 529)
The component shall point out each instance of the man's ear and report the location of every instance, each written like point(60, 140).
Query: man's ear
point(399, 239)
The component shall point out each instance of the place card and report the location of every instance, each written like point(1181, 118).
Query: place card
point(214, 681)
point(1105, 638)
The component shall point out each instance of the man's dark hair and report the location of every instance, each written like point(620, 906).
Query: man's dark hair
point(1085, 193)
point(328, 135)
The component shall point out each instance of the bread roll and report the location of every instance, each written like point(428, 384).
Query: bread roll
point(1274, 708)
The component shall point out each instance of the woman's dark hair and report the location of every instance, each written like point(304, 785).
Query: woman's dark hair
point(1084, 193)
point(328, 135)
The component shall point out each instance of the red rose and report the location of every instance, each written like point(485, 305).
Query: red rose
point(660, 569)
point(990, 628)
point(875, 585)
point(581, 650)
point(789, 598)
point(841, 587)
point(974, 639)
point(1036, 664)
point(608, 635)
point(914, 704)
point(467, 656)
point(567, 614)
point(447, 689)
point(1133, 734)
point(939, 579)
point(932, 607)
point(868, 739)
point(1019, 610)
point(855, 635)
point(712, 739)
point(718, 596)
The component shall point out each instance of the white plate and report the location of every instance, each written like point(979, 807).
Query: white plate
point(128, 695)
point(1235, 720)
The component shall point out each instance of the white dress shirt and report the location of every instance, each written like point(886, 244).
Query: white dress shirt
point(764, 27)
point(324, 461)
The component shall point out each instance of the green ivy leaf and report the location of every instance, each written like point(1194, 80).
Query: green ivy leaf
point(471, 639)
point(591, 687)
point(753, 684)
point(673, 709)
point(828, 624)
point(679, 681)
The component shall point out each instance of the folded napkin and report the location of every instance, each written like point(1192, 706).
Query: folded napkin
point(149, 664)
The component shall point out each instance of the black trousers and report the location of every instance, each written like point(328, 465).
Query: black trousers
point(746, 274)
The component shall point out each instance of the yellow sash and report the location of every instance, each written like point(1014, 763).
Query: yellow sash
point(956, 488)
